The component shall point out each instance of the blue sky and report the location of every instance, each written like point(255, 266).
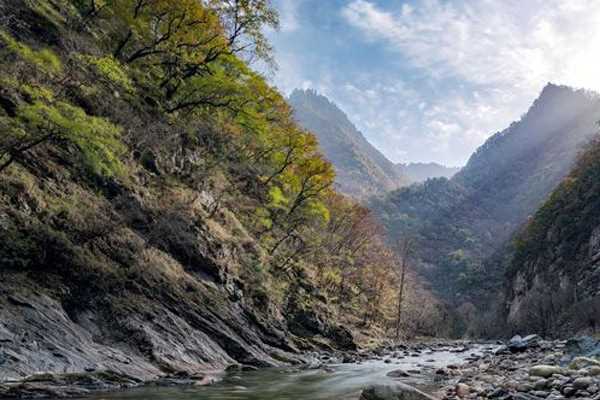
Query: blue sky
point(430, 80)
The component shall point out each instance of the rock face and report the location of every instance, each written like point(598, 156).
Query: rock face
point(394, 392)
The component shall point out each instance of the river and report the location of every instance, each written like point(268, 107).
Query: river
point(336, 382)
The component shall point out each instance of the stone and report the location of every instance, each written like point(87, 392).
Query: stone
point(585, 346)
point(545, 371)
point(394, 392)
point(540, 384)
point(583, 362)
point(568, 391)
point(398, 373)
point(462, 390)
point(594, 370)
point(519, 344)
point(540, 393)
point(582, 383)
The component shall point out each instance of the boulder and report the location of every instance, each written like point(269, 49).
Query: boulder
point(583, 362)
point(398, 373)
point(518, 343)
point(585, 346)
point(582, 383)
point(594, 370)
point(545, 371)
point(394, 392)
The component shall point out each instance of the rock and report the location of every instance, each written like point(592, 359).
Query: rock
point(498, 392)
point(540, 393)
point(594, 370)
point(582, 383)
point(583, 362)
point(398, 373)
point(585, 346)
point(545, 371)
point(525, 387)
point(519, 344)
point(341, 337)
point(462, 390)
point(394, 392)
point(540, 384)
point(568, 391)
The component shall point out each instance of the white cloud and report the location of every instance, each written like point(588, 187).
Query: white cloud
point(494, 55)
point(288, 14)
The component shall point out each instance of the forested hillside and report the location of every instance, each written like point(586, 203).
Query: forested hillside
point(360, 168)
point(457, 224)
point(554, 270)
point(161, 211)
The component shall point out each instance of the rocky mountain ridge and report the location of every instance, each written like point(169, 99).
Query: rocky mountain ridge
point(361, 169)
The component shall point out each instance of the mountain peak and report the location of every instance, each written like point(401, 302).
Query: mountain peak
point(361, 169)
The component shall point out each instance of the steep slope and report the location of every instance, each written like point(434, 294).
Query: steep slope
point(420, 172)
point(360, 168)
point(554, 269)
point(457, 223)
point(161, 214)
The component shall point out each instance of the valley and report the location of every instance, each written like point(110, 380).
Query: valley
point(172, 226)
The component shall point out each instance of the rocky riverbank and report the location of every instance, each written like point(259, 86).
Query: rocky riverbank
point(531, 369)
point(527, 368)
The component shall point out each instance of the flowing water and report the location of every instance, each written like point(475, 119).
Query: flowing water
point(341, 381)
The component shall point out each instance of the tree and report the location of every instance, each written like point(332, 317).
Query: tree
point(404, 248)
point(39, 123)
point(244, 22)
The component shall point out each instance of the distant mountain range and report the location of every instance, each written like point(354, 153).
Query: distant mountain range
point(420, 172)
point(361, 169)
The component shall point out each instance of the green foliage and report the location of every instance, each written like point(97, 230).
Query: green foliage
point(561, 228)
point(97, 139)
point(45, 60)
point(111, 70)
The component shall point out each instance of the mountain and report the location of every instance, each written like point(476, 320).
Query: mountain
point(458, 223)
point(554, 268)
point(361, 170)
point(420, 172)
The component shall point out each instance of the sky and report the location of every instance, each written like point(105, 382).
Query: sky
point(430, 80)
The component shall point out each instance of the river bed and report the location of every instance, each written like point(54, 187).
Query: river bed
point(333, 382)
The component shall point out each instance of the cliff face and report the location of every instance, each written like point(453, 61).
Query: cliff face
point(126, 283)
point(554, 273)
